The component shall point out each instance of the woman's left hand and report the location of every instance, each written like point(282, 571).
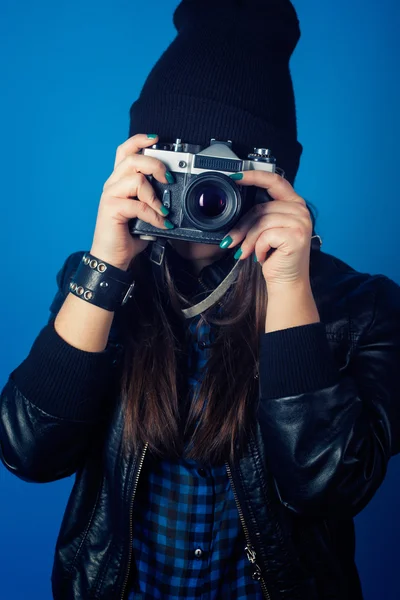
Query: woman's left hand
point(283, 224)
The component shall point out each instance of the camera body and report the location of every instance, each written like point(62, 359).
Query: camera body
point(204, 202)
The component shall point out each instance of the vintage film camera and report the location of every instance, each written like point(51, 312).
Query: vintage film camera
point(205, 202)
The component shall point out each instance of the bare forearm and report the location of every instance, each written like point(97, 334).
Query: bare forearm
point(290, 307)
point(83, 325)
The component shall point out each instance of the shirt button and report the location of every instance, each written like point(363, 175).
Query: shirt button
point(202, 345)
point(198, 553)
point(202, 472)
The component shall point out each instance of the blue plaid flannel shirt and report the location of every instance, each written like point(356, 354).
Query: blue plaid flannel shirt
point(187, 537)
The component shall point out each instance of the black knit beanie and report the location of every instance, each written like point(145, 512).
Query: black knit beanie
point(226, 76)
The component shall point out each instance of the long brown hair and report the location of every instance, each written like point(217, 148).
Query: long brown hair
point(218, 419)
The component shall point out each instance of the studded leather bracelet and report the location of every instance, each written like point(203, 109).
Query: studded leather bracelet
point(102, 284)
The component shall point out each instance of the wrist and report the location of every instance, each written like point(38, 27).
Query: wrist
point(290, 306)
point(99, 254)
point(279, 291)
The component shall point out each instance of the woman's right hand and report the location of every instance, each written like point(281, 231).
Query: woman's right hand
point(127, 194)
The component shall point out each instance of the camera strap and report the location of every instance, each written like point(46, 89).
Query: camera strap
point(215, 295)
point(157, 257)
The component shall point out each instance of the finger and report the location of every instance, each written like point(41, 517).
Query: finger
point(237, 234)
point(268, 222)
point(288, 207)
point(286, 239)
point(136, 186)
point(277, 187)
point(122, 210)
point(258, 211)
point(268, 242)
point(133, 145)
point(138, 163)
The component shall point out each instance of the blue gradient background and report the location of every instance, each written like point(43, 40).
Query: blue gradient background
point(69, 73)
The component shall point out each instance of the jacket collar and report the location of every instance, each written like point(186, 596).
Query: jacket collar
point(188, 282)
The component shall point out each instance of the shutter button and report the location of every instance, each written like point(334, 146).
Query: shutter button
point(198, 553)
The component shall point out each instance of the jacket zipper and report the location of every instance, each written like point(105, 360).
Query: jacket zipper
point(250, 552)
point(141, 461)
point(249, 549)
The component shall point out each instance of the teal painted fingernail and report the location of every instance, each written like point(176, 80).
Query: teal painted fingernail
point(236, 176)
point(255, 257)
point(238, 253)
point(227, 241)
point(169, 177)
point(151, 136)
point(164, 209)
point(168, 224)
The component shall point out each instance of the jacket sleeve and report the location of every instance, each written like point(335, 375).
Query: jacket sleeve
point(329, 433)
point(55, 401)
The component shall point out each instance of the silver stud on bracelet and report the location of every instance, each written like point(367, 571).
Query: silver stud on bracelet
point(88, 294)
point(94, 264)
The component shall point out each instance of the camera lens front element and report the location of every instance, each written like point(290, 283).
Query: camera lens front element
point(211, 201)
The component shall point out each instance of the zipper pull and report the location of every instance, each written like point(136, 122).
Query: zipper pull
point(251, 556)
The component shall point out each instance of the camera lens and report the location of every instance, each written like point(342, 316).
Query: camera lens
point(210, 200)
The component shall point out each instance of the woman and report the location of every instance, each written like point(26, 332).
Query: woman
point(224, 455)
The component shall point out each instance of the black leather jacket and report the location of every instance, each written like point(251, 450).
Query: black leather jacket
point(314, 461)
